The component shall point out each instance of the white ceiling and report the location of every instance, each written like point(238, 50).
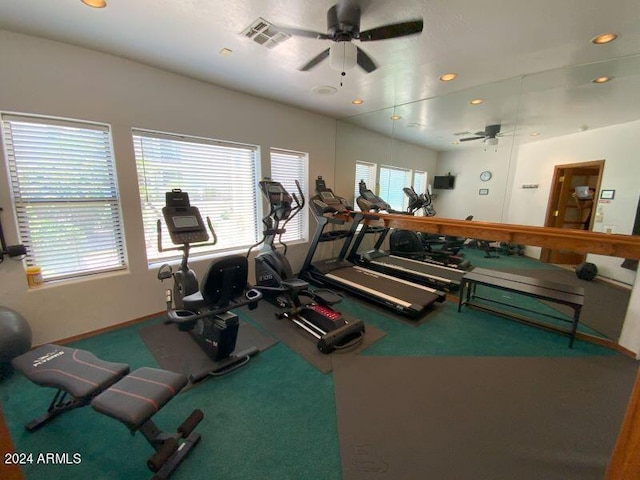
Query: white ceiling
point(514, 54)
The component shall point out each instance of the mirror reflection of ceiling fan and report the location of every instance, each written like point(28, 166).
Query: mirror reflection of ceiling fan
point(489, 136)
point(343, 26)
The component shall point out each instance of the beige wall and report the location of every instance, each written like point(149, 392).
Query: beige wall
point(56, 79)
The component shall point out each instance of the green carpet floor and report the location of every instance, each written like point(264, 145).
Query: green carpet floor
point(274, 419)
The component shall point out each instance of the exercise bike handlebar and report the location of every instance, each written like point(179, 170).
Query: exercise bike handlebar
point(185, 317)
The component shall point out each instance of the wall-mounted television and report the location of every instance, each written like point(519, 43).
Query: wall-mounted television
point(445, 182)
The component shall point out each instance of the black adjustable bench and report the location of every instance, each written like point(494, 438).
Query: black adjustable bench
point(559, 293)
point(132, 398)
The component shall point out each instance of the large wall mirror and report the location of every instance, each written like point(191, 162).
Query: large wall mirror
point(572, 127)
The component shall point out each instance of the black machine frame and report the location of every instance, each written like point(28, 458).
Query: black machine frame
point(203, 308)
point(402, 296)
point(311, 310)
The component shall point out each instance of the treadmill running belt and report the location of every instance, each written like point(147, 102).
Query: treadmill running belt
point(392, 290)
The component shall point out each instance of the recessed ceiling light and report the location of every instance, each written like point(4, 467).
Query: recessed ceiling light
point(476, 101)
point(225, 52)
point(95, 3)
point(601, 79)
point(455, 143)
point(413, 125)
point(357, 101)
point(535, 134)
point(447, 77)
point(395, 117)
point(604, 38)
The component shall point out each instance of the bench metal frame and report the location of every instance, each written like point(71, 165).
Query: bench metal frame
point(570, 296)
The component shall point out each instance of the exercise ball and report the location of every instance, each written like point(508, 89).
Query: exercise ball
point(15, 335)
point(586, 271)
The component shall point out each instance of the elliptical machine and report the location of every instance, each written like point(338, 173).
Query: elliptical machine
point(425, 247)
point(203, 309)
point(310, 310)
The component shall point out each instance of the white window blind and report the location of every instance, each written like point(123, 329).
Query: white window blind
point(420, 181)
point(65, 194)
point(286, 168)
point(392, 181)
point(220, 178)
point(364, 171)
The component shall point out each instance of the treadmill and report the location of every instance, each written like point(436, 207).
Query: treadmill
point(395, 293)
point(417, 271)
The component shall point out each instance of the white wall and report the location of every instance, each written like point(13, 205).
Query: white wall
point(466, 164)
point(50, 78)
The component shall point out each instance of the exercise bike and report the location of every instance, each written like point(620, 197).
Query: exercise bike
point(310, 310)
point(202, 309)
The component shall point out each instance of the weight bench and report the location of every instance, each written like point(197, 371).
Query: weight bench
point(132, 398)
point(532, 287)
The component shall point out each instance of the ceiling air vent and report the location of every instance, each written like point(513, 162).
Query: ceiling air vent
point(264, 33)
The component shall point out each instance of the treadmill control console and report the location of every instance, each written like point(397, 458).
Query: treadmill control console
point(326, 202)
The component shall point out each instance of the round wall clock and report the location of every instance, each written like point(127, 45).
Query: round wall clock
point(485, 176)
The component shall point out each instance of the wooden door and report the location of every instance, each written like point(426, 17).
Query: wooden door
point(566, 210)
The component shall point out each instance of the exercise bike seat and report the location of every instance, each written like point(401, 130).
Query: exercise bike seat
point(223, 286)
point(77, 372)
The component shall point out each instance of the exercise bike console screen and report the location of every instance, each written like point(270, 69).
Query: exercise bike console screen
point(185, 225)
point(186, 221)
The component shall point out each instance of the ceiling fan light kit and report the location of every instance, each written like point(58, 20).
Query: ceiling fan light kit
point(343, 26)
point(343, 56)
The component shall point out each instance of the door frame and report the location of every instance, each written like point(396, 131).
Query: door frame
point(554, 194)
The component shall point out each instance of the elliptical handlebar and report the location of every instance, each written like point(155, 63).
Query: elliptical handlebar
point(300, 203)
point(280, 208)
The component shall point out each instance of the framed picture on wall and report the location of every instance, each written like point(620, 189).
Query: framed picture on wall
point(483, 191)
point(607, 194)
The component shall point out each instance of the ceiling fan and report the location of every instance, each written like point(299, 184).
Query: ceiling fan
point(343, 26)
point(489, 135)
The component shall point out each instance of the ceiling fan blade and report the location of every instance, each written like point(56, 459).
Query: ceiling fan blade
point(392, 31)
point(296, 32)
point(492, 130)
point(470, 138)
point(365, 61)
point(315, 60)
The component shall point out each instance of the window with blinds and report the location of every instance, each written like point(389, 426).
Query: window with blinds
point(286, 168)
point(364, 171)
point(220, 178)
point(420, 181)
point(65, 194)
point(392, 181)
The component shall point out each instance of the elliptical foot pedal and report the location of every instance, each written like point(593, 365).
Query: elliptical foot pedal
point(341, 338)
